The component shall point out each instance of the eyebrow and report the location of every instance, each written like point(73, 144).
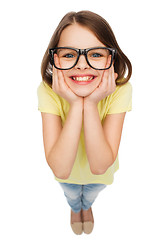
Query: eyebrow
point(82, 48)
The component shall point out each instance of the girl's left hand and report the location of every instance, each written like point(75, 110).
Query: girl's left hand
point(106, 87)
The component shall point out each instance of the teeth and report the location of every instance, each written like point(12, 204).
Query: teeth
point(86, 78)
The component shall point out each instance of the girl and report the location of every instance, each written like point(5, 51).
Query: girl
point(83, 99)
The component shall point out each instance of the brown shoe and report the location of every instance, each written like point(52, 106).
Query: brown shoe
point(77, 228)
point(88, 221)
point(88, 227)
point(77, 224)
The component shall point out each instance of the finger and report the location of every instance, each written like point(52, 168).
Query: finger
point(111, 78)
point(60, 78)
point(116, 75)
point(55, 82)
point(56, 60)
point(57, 63)
point(107, 72)
point(105, 78)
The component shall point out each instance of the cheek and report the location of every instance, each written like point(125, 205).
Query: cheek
point(100, 76)
point(65, 74)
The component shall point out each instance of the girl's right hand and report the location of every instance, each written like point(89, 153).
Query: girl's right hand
point(60, 87)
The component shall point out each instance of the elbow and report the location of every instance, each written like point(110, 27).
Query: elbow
point(98, 170)
point(59, 172)
point(100, 167)
point(61, 175)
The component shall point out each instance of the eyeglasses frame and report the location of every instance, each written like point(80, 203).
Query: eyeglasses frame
point(82, 52)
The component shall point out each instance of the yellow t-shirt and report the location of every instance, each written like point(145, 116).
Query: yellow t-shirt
point(117, 102)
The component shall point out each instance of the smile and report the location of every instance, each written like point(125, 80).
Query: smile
point(83, 78)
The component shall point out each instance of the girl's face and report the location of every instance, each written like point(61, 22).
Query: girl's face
point(77, 36)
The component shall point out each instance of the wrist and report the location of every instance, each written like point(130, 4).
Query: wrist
point(78, 104)
point(90, 105)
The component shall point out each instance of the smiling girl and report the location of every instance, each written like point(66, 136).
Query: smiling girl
point(83, 99)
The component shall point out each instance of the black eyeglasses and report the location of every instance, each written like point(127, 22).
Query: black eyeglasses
point(99, 58)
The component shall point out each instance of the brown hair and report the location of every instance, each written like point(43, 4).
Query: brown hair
point(102, 30)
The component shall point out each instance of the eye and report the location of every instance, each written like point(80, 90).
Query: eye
point(96, 55)
point(69, 55)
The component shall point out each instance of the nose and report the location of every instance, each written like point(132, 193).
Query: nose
point(82, 63)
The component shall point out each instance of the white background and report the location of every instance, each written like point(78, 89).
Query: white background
point(32, 205)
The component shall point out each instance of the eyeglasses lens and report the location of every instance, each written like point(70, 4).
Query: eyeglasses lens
point(99, 58)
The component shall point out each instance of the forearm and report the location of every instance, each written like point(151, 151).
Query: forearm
point(62, 156)
point(99, 153)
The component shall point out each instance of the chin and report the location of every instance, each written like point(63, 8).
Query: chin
point(83, 94)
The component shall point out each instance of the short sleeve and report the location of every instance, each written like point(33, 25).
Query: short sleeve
point(121, 99)
point(48, 102)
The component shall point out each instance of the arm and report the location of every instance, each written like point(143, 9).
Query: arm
point(101, 142)
point(61, 144)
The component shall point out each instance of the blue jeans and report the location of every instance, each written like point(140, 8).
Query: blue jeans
point(81, 196)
